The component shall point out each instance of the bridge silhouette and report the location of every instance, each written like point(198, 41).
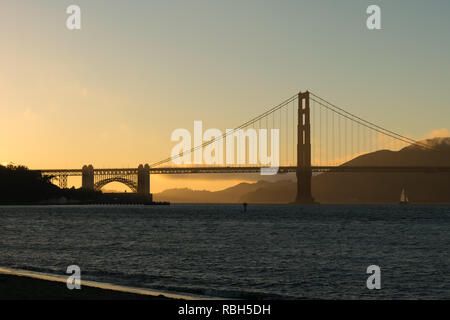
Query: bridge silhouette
point(336, 137)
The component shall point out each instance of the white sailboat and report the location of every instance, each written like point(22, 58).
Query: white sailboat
point(404, 197)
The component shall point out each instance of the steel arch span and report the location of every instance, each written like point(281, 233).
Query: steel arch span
point(129, 183)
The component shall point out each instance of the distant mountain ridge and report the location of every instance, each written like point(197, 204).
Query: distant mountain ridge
point(230, 195)
point(346, 187)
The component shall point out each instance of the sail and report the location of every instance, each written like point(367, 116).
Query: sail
point(404, 197)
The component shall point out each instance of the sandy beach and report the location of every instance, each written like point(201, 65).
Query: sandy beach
point(21, 287)
point(22, 284)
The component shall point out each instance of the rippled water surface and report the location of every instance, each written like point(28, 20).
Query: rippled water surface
point(218, 250)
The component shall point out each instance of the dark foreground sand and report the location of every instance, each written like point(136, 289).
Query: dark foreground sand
point(21, 287)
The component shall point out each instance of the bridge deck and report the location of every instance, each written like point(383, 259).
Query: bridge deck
point(256, 169)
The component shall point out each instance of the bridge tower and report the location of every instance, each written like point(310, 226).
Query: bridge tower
point(304, 171)
point(143, 179)
point(87, 177)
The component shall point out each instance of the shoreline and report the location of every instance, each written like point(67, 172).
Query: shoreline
point(164, 203)
point(17, 284)
point(79, 203)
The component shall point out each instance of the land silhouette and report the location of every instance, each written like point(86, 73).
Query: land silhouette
point(345, 187)
point(18, 185)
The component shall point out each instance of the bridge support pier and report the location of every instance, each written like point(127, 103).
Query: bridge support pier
point(304, 171)
point(87, 178)
point(143, 179)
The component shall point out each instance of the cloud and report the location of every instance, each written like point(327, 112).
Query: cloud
point(439, 133)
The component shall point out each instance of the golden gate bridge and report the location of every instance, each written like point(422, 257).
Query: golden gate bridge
point(316, 136)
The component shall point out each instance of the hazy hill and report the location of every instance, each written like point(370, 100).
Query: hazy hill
point(229, 195)
point(386, 187)
point(346, 187)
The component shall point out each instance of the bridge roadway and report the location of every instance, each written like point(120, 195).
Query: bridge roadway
point(247, 169)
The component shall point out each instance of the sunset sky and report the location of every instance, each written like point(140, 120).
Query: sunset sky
point(111, 93)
